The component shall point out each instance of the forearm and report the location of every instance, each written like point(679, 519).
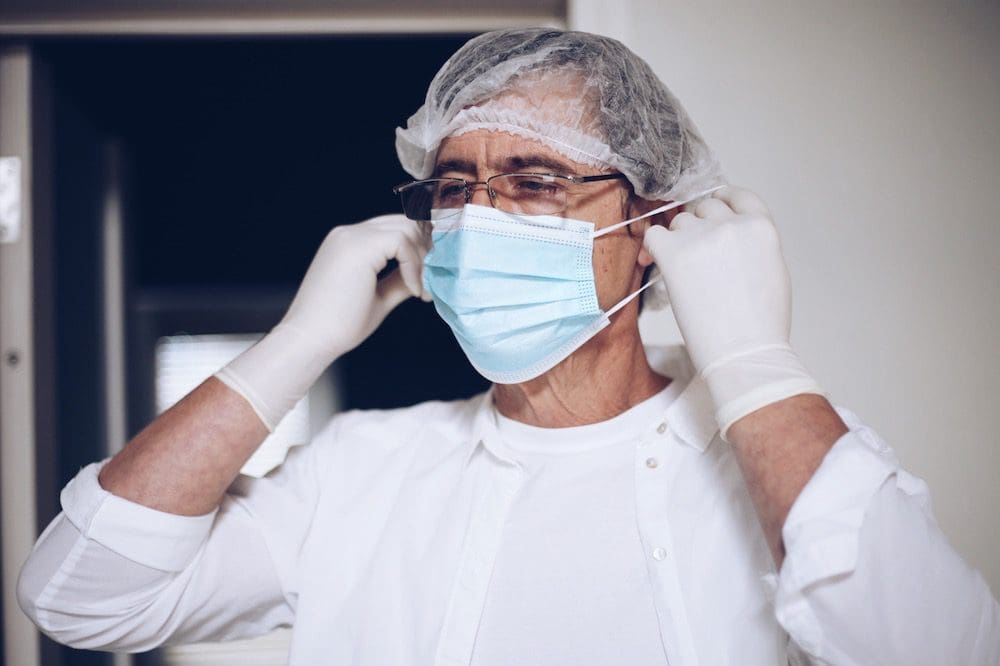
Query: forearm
point(778, 448)
point(183, 461)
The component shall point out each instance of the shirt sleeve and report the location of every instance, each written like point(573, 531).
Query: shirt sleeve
point(868, 576)
point(109, 574)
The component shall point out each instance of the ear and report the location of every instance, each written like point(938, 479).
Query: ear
point(636, 207)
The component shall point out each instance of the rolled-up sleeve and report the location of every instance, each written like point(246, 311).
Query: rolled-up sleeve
point(115, 575)
point(868, 576)
point(152, 538)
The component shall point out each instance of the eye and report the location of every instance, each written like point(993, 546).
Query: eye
point(536, 186)
point(450, 191)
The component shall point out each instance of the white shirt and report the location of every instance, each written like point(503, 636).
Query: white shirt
point(569, 583)
point(383, 542)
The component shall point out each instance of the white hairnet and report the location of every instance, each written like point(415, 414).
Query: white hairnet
point(586, 96)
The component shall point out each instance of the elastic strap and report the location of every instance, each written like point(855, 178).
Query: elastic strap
point(628, 299)
point(655, 211)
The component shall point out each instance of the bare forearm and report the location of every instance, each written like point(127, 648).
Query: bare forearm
point(778, 449)
point(183, 461)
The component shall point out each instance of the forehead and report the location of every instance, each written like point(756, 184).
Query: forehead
point(481, 151)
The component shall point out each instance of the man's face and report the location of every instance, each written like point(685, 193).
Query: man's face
point(619, 259)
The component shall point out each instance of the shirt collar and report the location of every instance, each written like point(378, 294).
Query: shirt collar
point(484, 430)
point(691, 417)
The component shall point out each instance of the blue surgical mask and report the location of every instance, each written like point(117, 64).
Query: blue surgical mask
point(518, 290)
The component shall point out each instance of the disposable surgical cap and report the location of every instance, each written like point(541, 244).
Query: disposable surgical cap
point(585, 96)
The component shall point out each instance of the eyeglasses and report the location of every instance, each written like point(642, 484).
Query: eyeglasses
point(521, 193)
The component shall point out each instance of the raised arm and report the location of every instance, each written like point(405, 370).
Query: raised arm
point(866, 576)
point(183, 462)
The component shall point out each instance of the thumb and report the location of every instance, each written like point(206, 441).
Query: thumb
point(657, 241)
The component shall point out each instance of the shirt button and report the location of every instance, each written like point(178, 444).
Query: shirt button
point(659, 553)
point(651, 463)
point(662, 428)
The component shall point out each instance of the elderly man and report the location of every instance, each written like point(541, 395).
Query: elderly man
point(603, 503)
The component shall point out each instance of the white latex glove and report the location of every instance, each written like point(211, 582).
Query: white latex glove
point(731, 295)
point(339, 304)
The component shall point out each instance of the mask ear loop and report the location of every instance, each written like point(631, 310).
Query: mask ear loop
point(628, 299)
point(655, 211)
point(606, 230)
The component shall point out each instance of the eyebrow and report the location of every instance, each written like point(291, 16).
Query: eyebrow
point(521, 162)
point(454, 166)
point(512, 164)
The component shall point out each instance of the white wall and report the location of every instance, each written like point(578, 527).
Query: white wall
point(873, 132)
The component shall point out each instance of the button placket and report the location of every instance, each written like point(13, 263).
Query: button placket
point(475, 568)
point(652, 481)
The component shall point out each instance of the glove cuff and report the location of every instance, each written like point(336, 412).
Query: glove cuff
point(743, 383)
point(274, 374)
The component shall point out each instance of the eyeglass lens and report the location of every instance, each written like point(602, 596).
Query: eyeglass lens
point(525, 194)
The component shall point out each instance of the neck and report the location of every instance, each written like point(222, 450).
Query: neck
point(600, 380)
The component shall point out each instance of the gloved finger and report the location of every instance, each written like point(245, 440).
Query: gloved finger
point(657, 241)
point(391, 291)
point(684, 220)
point(395, 224)
point(425, 235)
point(413, 230)
point(415, 237)
point(743, 202)
point(410, 265)
point(712, 208)
point(385, 237)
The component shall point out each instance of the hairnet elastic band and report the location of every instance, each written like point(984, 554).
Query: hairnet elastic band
point(466, 122)
point(655, 211)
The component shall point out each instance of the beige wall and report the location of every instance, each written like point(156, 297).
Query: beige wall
point(873, 132)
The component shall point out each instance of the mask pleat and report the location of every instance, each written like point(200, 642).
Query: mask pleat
point(469, 290)
point(507, 255)
point(494, 324)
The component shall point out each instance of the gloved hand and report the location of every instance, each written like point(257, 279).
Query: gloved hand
point(340, 302)
point(731, 295)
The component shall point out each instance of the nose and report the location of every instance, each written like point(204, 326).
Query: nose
point(480, 194)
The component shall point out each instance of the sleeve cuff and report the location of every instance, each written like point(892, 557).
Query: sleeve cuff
point(822, 529)
point(156, 539)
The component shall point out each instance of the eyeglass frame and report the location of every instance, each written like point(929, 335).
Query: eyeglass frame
point(469, 185)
